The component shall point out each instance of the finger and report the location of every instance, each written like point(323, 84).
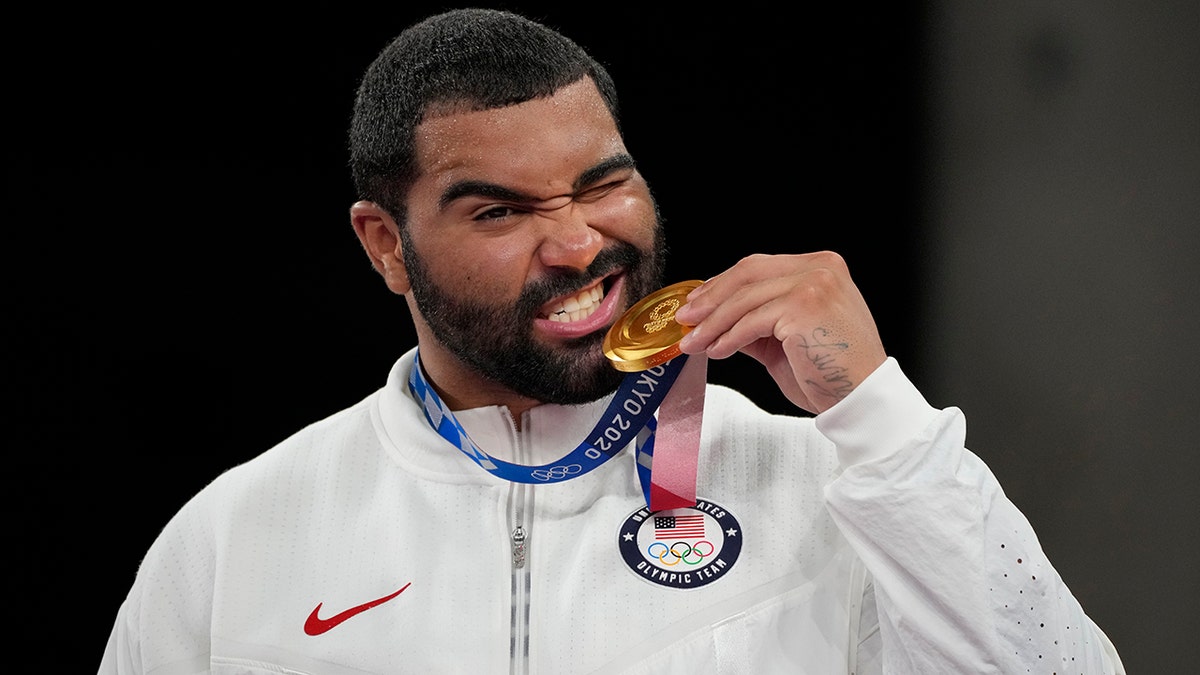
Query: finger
point(744, 310)
point(716, 290)
point(744, 319)
point(770, 354)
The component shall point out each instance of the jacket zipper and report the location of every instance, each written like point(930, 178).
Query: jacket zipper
point(520, 503)
point(520, 604)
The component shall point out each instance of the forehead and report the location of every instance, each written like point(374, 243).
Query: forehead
point(533, 142)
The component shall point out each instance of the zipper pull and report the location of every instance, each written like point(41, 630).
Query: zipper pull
point(518, 547)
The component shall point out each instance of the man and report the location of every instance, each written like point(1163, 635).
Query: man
point(495, 507)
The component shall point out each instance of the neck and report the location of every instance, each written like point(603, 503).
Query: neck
point(460, 388)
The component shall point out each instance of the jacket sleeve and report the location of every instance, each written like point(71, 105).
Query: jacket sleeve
point(961, 583)
point(163, 624)
point(120, 658)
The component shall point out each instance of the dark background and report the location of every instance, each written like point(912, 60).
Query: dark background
point(184, 289)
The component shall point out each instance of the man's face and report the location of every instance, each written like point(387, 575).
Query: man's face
point(529, 232)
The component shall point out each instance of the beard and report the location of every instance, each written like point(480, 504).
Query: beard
point(497, 340)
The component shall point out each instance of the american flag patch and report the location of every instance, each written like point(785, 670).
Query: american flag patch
point(679, 527)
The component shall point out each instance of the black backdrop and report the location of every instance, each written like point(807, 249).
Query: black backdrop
point(184, 288)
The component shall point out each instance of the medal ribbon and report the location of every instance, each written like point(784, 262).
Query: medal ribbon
point(673, 479)
point(629, 416)
point(645, 336)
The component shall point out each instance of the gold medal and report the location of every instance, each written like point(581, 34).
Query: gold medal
point(647, 333)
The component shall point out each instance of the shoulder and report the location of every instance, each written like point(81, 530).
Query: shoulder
point(297, 465)
point(306, 456)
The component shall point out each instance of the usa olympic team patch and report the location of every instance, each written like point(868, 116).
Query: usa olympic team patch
point(683, 548)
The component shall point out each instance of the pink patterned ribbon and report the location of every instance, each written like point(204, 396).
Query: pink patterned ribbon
point(677, 441)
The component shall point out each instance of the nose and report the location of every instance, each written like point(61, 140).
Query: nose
point(568, 241)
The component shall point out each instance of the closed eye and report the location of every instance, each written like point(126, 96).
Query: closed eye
point(598, 192)
point(497, 212)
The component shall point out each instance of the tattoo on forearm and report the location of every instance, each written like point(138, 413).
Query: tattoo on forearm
point(834, 381)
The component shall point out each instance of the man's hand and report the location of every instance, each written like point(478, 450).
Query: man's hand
point(799, 315)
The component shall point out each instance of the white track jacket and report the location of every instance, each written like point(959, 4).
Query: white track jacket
point(864, 540)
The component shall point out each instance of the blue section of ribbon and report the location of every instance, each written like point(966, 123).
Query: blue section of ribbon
point(645, 455)
point(630, 415)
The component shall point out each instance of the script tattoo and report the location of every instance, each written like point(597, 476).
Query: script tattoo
point(834, 381)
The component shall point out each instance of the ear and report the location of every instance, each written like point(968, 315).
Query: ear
point(380, 238)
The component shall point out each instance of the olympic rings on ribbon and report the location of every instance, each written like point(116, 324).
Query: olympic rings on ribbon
point(556, 472)
point(682, 554)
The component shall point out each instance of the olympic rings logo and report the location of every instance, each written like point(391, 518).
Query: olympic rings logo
point(680, 551)
point(556, 472)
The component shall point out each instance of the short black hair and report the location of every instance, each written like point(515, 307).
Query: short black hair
point(463, 59)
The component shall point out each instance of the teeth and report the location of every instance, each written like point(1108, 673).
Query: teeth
point(579, 306)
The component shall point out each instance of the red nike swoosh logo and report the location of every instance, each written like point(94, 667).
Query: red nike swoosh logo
point(316, 625)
